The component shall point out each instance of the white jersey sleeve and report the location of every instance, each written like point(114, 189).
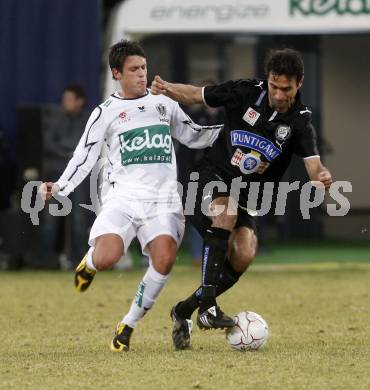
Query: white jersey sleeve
point(191, 134)
point(85, 155)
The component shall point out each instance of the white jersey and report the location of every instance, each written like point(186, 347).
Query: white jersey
point(140, 159)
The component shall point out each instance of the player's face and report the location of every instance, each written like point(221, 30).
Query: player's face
point(282, 91)
point(133, 79)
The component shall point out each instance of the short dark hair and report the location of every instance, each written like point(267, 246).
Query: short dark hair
point(287, 62)
point(78, 90)
point(121, 50)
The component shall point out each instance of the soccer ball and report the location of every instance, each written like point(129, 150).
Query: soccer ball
point(249, 333)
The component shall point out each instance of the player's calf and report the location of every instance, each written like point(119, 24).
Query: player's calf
point(242, 248)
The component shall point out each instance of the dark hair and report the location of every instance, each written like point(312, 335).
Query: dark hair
point(77, 90)
point(287, 62)
point(121, 50)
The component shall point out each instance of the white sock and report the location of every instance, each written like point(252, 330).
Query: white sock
point(89, 259)
point(147, 292)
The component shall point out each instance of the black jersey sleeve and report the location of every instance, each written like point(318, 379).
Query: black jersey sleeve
point(225, 94)
point(306, 145)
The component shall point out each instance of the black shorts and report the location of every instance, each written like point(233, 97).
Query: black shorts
point(205, 195)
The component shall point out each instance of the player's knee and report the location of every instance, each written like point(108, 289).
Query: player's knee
point(224, 221)
point(163, 262)
point(108, 251)
point(106, 260)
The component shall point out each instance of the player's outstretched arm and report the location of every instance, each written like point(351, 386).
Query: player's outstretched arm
point(191, 134)
point(48, 190)
point(318, 174)
point(182, 93)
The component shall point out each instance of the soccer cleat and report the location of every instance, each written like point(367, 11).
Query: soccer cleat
point(214, 318)
point(121, 341)
point(83, 276)
point(181, 330)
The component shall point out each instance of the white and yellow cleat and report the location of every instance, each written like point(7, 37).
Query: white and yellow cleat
point(83, 276)
point(121, 340)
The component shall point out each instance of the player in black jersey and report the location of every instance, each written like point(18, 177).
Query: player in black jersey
point(267, 124)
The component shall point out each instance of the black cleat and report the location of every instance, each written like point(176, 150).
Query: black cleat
point(121, 341)
point(214, 318)
point(181, 330)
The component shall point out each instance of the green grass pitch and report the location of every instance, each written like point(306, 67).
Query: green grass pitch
point(319, 320)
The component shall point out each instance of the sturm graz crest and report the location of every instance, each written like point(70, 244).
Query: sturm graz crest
point(282, 133)
point(161, 109)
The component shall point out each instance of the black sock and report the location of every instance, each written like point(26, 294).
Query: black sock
point(214, 253)
point(228, 278)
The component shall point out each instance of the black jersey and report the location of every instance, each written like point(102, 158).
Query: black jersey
point(257, 143)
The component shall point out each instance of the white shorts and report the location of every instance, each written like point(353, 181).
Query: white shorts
point(144, 220)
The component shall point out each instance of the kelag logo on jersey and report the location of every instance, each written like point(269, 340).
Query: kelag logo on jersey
point(255, 142)
point(146, 145)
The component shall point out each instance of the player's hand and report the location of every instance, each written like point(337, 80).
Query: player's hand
point(158, 86)
point(47, 190)
point(324, 180)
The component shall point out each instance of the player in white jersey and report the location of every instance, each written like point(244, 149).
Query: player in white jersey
point(140, 187)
